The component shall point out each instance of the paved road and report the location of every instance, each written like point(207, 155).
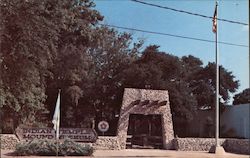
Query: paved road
point(133, 153)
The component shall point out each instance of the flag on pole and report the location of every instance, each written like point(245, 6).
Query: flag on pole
point(56, 117)
point(215, 19)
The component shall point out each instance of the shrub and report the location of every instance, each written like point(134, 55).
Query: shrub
point(44, 147)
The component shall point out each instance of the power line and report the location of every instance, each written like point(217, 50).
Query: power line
point(187, 12)
point(172, 35)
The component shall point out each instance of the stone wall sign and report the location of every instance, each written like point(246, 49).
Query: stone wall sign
point(75, 134)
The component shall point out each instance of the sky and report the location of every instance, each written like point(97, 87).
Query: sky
point(130, 14)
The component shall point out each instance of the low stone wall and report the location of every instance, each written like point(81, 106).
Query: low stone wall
point(195, 144)
point(107, 143)
point(240, 146)
point(8, 141)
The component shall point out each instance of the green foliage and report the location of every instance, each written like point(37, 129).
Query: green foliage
point(36, 147)
point(203, 84)
point(88, 74)
point(242, 97)
point(35, 36)
point(111, 52)
point(159, 70)
point(72, 63)
point(27, 36)
point(49, 148)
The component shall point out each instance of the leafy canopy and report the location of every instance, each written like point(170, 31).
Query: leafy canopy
point(242, 97)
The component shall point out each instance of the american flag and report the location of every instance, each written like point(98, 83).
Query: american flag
point(215, 20)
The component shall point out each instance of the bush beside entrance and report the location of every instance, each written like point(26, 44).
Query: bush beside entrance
point(49, 148)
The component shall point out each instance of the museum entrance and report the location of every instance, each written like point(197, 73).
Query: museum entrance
point(144, 131)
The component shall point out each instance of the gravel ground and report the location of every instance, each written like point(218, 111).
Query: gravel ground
point(138, 153)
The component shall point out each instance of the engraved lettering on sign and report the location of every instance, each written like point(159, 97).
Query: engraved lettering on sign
point(76, 134)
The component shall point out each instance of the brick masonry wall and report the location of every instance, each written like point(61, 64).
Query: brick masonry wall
point(240, 146)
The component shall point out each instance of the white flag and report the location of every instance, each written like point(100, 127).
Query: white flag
point(56, 117)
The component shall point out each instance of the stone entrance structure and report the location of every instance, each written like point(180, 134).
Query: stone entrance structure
point(146, 102)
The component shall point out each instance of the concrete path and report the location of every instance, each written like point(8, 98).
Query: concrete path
point(162, 153)
point(145, 153)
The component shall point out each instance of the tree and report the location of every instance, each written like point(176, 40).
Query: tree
point(191, 66)
point(242, 97)
point(111, 52)
point(90, 60)
point(70, 71)
point(204, 83)
point(159, 70)
point(28, 34)
point(35, 37)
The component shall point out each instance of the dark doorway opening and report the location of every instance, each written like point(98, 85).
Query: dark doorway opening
point(144, 131)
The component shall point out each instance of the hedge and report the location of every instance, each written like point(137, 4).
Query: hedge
point(44, 147)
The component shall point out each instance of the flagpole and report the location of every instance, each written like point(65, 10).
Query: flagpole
point(56, 147)
point(57, 130)
point(217, 149)
point(217, 80)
